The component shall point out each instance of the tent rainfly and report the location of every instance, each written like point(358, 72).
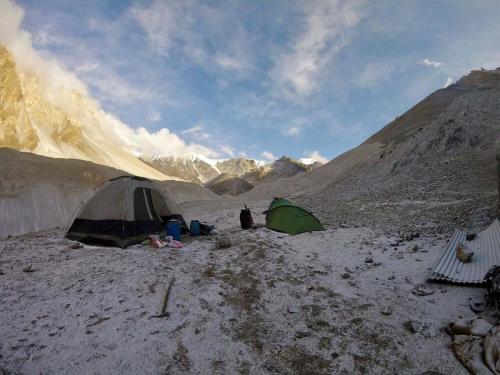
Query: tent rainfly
point(123, 212)
point(283, 216)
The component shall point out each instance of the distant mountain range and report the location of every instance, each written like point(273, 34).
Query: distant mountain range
point(232, 176)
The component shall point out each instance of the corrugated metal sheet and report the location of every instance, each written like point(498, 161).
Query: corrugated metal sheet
point(486, 247)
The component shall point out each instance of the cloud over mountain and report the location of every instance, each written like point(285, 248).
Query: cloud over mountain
point(59, 86)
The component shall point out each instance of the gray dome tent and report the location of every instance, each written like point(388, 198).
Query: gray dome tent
point(123, 212)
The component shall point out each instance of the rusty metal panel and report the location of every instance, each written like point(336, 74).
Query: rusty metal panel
point(486, 247)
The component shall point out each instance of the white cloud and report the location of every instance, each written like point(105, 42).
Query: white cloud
point(268, 156)
point(86, 68)
point(448, 82)
point(154, 117)
point(44, 37)
point(65, 90)
point(429, 62)
point(228, 150)
point(211, 37)
point(292, 131)
point(162, 142)
point(111, 85)
point(296, 127)
point(229, 63)
point(159, 21)
point(194, 129)
point(197, 131)
point(314, 155)
point(327, 26)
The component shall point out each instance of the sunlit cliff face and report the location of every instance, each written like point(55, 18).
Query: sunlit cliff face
point(30, 121)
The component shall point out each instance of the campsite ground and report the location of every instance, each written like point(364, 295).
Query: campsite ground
point(338, 301)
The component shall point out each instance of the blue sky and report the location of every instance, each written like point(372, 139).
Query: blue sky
point(265, 78)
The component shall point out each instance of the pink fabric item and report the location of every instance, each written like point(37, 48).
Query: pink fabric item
point(175, 244)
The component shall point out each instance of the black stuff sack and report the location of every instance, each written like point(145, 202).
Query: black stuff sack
point(246, 219)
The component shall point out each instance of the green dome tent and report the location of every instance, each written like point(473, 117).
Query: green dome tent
point(283, 216)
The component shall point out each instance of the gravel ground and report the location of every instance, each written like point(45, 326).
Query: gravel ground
point(341, 301)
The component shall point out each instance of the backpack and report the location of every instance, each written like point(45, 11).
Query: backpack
point(246, 219)
point(492, 295)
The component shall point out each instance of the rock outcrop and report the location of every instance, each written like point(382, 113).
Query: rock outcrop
point(226, 184)
point(31, 121)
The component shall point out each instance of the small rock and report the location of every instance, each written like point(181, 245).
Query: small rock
point(480, 327)
point(346, 275)
point(344, 225)
point(369, 260)
point(424, 329)
point(75, 245)
point(302, 334)
point(292, 309)
point(205, 305)
point(223, 241)
point(392, 277)
point(413, 326)
point(414, 248)
point(463, 254)
point(386, 310)
point(28, 269)
point(422, 290)
point(1, 272)
point(429, 332)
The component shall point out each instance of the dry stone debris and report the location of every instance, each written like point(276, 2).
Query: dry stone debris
point(223, 241)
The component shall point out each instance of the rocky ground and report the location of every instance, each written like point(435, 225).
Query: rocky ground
point(344, 301)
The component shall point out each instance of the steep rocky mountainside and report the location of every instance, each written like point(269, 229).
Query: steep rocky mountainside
point(46, 191)
point(237, 166)
point(228, 184)
point(235, 184)
point(190, 168)
point(29, 121)
point(283, 167)
point(433, 167)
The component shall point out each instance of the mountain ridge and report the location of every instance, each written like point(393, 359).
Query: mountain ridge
point(439, 154)
point(31, 122)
